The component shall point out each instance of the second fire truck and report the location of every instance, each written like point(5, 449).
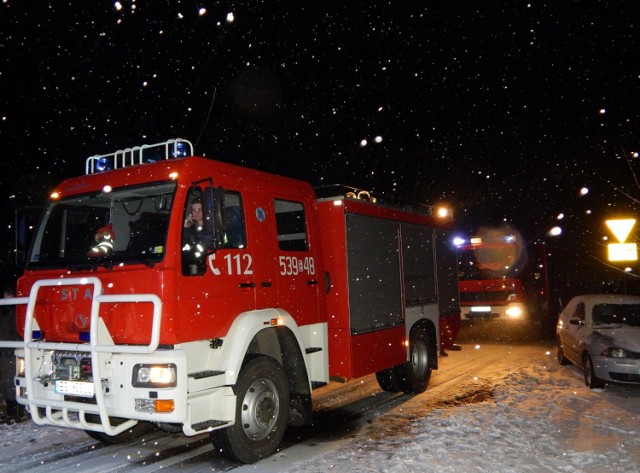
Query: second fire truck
point(132, 317)
point(502, 277)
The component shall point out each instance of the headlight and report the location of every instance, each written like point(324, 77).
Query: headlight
point(514, 311)
point(20, 366)
point(154, 376)
point(615, 352)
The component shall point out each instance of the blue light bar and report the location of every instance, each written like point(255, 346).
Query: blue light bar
point(143, 154)
point(37, 335)
point(104, 164)
point(85, 336)
point(181, 150)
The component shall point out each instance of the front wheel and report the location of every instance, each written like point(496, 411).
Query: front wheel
point(262, 412)
point(590, 378)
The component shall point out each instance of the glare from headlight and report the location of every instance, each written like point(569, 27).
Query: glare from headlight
point(514, 311)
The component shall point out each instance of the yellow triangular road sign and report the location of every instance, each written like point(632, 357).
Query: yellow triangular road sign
point(621, 227)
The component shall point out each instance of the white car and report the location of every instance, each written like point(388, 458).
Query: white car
point(601, 334)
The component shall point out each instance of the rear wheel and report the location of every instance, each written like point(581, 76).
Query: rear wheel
point(388, 380)
point(417, 371)
point(413, 376)
point(262, 412)
point(590, 378)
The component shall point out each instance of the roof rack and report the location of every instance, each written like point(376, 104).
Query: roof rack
point(348, 192)
point(170, 149)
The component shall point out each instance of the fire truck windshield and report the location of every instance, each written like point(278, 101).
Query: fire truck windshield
point(123, 225)
point(487, 263)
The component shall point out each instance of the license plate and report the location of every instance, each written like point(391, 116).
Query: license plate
point(481, 309)
point(74, 388)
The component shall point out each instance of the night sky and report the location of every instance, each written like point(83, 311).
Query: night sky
point(503, 109)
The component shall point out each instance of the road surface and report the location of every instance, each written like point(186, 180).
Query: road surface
point(342, 411)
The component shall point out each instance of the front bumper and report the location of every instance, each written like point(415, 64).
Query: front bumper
point(515, 311)
point(619, 370)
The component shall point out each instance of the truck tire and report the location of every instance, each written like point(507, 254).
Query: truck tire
point(388, 380)
point(262, 412)
point(413, 377)
point(138, 430)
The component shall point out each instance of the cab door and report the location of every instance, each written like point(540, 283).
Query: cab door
point(217, 283)
point(261, 248)
point(298, 266)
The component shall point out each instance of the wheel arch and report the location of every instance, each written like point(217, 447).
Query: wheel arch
point(273, 333)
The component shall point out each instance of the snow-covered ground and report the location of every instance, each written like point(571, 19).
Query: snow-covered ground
point(534, 416)
point(539, 418)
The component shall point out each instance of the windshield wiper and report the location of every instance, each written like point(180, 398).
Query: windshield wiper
point(83, 267)
point(608, 325)
point(108, 263)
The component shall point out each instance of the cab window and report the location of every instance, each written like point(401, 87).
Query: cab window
point(291, 225)
point(234, 231)
point(201, 235)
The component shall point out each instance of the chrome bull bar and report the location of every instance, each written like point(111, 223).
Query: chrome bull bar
point(98, 335)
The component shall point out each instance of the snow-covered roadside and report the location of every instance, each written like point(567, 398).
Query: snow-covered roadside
point(540, 418)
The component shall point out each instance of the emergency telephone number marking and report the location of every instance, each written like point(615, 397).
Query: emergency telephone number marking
point(292, 266)
point(234, 265)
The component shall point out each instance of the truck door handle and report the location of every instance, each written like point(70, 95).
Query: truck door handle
point(265, 283)
point(312, 282)
point(242, 285)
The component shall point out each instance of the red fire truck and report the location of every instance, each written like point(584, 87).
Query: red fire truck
point(132, 318)
point(501, 277)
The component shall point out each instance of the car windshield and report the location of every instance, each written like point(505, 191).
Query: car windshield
point(616, 314)
point(125, 225)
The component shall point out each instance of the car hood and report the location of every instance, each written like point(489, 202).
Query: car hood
point(624, 337)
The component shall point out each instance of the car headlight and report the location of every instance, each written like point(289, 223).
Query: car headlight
point(155, 376)
point(615, 352)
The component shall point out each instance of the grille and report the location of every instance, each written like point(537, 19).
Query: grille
point(484, 296)
point(71, 366)
point(626, 377)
